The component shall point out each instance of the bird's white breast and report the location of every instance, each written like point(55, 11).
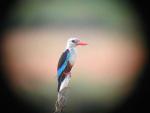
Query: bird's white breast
point(72, 56)
point(65, 82)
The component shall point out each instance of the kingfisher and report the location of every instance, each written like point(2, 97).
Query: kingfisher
point(66, 62)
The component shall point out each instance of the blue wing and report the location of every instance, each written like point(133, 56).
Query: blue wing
point(62, 64)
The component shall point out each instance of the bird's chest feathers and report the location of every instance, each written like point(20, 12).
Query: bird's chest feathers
point(72, 56)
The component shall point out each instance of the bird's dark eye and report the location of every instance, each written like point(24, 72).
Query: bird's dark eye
point(73, 41)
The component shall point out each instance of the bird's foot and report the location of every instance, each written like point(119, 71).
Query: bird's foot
point(68, 73)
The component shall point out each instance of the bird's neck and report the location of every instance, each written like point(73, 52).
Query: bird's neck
point(70, 47)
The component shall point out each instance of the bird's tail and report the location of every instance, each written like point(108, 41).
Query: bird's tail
point(61, 100)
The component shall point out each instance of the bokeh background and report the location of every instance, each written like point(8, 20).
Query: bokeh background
point(106, 71)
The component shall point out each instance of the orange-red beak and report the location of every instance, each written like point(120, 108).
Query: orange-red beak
point(82, 43)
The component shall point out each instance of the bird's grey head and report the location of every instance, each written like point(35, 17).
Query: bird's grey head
point(73, 42)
